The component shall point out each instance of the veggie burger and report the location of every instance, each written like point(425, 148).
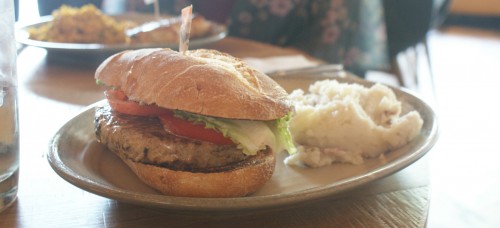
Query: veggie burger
point(197, 124)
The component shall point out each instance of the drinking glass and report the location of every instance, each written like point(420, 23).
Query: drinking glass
point(9, 125)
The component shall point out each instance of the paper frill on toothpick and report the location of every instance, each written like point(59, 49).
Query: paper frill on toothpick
point(186, 17)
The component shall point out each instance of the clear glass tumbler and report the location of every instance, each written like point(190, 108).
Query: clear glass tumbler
point(9, 125)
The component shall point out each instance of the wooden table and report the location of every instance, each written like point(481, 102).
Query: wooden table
point(50, 94)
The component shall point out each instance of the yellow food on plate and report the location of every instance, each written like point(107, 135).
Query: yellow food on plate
point(339, 122)
point(81, 25)
point(89, 25)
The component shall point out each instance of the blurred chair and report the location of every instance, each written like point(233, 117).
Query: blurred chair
point(408, 23)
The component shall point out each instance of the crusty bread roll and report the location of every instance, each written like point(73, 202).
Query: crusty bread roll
point(239, 180)
point(223, 86)
point(204, 82)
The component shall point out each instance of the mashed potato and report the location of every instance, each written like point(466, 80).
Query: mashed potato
point(339, 122)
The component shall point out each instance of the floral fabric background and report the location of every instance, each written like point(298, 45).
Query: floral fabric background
point(350, 32)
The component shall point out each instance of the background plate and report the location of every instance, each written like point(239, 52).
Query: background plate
point(78, 158)
point(61, 51)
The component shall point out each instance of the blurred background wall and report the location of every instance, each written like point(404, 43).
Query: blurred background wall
point(476, 7)
point(475, 13)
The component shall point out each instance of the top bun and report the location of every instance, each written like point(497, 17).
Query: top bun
point(205, 82)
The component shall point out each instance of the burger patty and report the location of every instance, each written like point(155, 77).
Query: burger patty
point(143, 139)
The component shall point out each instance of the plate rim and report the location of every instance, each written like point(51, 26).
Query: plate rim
point(234, 205)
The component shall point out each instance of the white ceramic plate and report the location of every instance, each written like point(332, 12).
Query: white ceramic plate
point(22, 35)
point(76, 156)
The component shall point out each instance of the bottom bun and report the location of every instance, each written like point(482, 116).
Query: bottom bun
point(240, 180)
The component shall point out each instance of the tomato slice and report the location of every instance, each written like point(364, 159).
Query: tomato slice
point(120, 103)
point(192, 130)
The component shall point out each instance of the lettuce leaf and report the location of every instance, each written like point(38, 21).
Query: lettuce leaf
point(282, 131)
point(250, 136)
